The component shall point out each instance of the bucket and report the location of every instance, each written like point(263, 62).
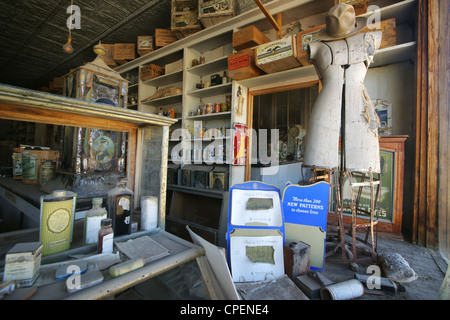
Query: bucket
point(149, 213)
point(343, 290)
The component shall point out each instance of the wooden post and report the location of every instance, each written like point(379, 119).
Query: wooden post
point(273, 22)
point(427, 125)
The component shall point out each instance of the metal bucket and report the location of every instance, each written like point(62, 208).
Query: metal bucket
point(342, 291)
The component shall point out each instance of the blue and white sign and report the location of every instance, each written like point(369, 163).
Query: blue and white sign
point(305, 214)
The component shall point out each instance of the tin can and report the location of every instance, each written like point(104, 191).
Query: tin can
point(29, 168)
point(17, 165)
point(46, 172)
point(56, 221)
point(209, 108)
point(216, 107)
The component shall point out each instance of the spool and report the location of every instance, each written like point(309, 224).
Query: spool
point(149, 213)
point(342, 291)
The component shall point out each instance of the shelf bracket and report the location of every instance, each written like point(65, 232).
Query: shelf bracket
point(275, 23)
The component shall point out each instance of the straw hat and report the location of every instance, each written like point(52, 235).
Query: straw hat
point(341, 23)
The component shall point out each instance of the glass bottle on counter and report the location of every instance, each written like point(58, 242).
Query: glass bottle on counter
point(92, 221)
point(105, 237)
point(120, 205)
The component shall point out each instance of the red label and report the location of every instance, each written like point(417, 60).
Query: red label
point(239, 62)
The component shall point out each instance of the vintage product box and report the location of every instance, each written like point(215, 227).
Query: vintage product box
point(218, 179)
point(174, 66)
point(303, 39)
point(164, 37)
point(277, 55)
point(248, 38)
point(124, 51)
point(32, 160)
point(145, 44)
point(151, 71)
point(384, 112)
point(200, 177)
point(22, 263)
point(212, 12)
point(242, 65)
point(388, 29)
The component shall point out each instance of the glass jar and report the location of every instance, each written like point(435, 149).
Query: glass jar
point(92, 221)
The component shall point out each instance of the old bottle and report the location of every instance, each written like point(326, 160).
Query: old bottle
point(120, 205)
point(105, 237)
point(92, 221)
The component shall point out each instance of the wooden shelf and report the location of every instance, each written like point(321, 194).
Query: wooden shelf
point(212, 91)
point(165, 79)
point(164, 101)
point(396, 54)
point(210, 67)
point(211, 116)
point(203, 192)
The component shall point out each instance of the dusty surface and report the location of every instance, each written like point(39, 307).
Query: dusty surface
point(428, 264)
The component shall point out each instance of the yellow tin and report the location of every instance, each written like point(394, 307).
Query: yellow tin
point(57, 217)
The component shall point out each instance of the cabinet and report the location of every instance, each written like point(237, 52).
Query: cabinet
point(204, 54)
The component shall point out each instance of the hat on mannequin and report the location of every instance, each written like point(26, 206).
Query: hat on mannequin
point(341, 23)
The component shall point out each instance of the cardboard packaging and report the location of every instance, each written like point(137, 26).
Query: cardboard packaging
point(242, 65)
point(164, 37)
point(22, 263)
point(124, 52)
point(303, 39)
point(248, 38)
point(151, 71)
point(145, 44)
point(277, 55)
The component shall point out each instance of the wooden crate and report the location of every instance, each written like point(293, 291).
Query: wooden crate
point(248, 38)
point(277, 55)
point(359, 5)
point(241, 65)
point(164, 37)
point(212, 12)
point(124, 52)
point(145, 44)
point(41, 155)
point(151, 71)
point(303, 39)
point(108, 58)
point(388, 28)
point(184, 18)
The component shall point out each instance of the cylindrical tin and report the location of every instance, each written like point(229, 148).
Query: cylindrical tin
point(149, 213)
point(29, 168)
point(56, 221)
point(343, 290)
point(209, 108)
point(216, 107)
point(46, 172)
point(17, 165)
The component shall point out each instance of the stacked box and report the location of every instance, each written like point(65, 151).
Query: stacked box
point(218, 179)
point(359, 5)
point(212, 12)
point(164, 37)
point(185, 18)
point(277, 55)
point(124, 52)
point(303, 39)
point(388, 29)
point(145, 44)
point(248, 38)
point(151, 71)
point(242, 65)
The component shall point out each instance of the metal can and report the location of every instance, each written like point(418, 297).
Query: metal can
point(217, 107)
point(209, 108)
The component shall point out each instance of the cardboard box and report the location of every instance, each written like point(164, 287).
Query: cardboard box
point(218, 179)
point(145, 44)
point(303, 39)
point(22, 263)
point(242, 65)
point(388, 28)
point(124, 51)
point(164, 37)
point(214, 12)
point(151, 71)
point(359, 5)
point(277, 55)
point(248, 38)
point(174, 66)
